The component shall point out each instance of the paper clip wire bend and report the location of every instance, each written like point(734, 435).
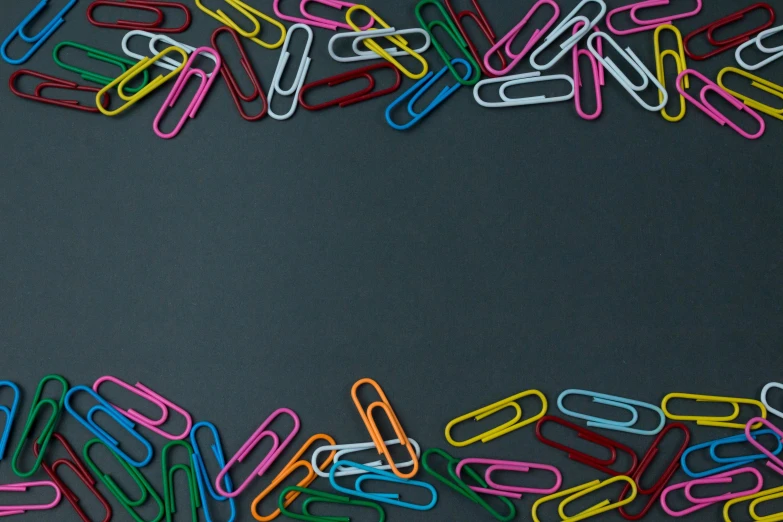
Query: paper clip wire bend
point(501, 490)
point(478, 17)
point(360, 36)
point(345, 449)
point(315, 496)
point(764, 495)
point(560, 494)
point(765, 402)
point(21, 487)
point(519, 79)
point(231, 83)
point(301, 74)
point(565, 24)
point(39, 39)
point(729, 463)
point(646, 25)
point(97, 54)
point(734, 41)
point(612, 400)
point(761, 84)
point(364, 94)
point(52, 82)
point(702, 420)
point(382, 476)
point(447, 25)
point(679, 59)
point(205, 484)
point(10, 416)
point(142, 5)
point(316, 21)
point(601, 507)
point(252, 14)
point(701, 503)
point(774, 463)
point(758, 41)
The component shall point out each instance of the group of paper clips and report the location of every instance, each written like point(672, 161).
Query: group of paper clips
point(471, 478)
point(497, 64)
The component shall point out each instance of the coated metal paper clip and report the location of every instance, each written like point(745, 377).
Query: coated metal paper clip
point(730, 462)
point(705, 420)
point(679, 60)
point(252, 14)
point(171, 63)
point(757, 498)
point(52, 82)
point(140, 5)
point(359, 36)
point(520, 79)
point(762, 85)
point(346, 449)
point(619, 402)
point(601, 507)
point(447, 25)
point(205, 484)
point(39, 39)
point(233, 87)
point(598, 77)
point(301, 73)
point(501, 490)
point(317, 21)
point(764, 401)
point(325, 498)
point(734, 41)
point(22, 487)
point(702, 502)
point(382, 476)
point(364, 94)
point(562, 28)
point(10, 416)
point(774, 462)
point(169, 470)
point(103, 56)
point(478, 17)
point(647, 25)
point(758, 41)
point(560, 494)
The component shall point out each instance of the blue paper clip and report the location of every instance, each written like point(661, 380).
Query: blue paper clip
point(202, 478)
point(39, 39)
point(103, 435)
point(619, 402)
point(384, 476)
point(732, 462)
point(10, 415)
point(418, 90)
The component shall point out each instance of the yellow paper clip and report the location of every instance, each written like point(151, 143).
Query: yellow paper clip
point(761, 84)
point(122, 80)
point(251, 14)
point(761, 496)
point(720, 422)
point(559, 494)
point(603, 506)
point(506, 427)
point(679, 60)
point(398, 41)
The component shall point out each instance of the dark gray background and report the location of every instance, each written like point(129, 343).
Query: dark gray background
point(243, 267)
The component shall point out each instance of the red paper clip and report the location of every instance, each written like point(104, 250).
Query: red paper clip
point(77, 466)
point(734, 41)
point(481, 21)
point(656, 489)
point(53, 83)
point(231, 82)
point(591, 436)
point(364, 94)
point(142, 5)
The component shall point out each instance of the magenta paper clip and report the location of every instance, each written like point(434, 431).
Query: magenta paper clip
point(317, 21)
point(145, 393)
point(598, 75)
point(774, 462)
point(247, 447)
point(646, 25)
point(701, 503)
point(206, 80)
point(501, 490)
point(21, 487)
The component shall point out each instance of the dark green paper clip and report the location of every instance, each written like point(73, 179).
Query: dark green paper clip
point(168, 480)
point(123, 63)
point(320, 496)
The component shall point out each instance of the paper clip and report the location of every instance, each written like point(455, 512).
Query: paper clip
point(140, 5)
point(233, 87)
point(22, 487)
point(565, 493)
point(501, 490)
point(77, 467)
point(360, 36)
point(10, 416)
point(459, 485)
point(601, 507)
point(447, 25)
point(103, 435)
point(734, 41)
point(598, 77)
point(732, 462)
point(205, 484)
point(170, 63)
point(505, 428)
point(39, 39)
point(679, 59)
point(320, 496)
point(619, 402)
point(398, 41)
point(382, 476)
point(97, 54)
point(702, 420)
point(647, 25)
point(774, 462)
point(477, 15)
point(656, 489)
point(760, 83)
point(38, 404)
point(121, 81)
point(590, 436)
point(505, 42)
point(364, 94)
point(764, 401)
point(701, 503)
point(317, 21)
point(758, 41)
point(369, 421)
point(53, 82)
point(169, 500)
point(147, 491)
point(301, 74)
point(252, 442)
point(252, 14)
point(562, 28)
point(775, 517)
point(294, 464)
point(519, 79)
point(762, 496)
point(345, 449)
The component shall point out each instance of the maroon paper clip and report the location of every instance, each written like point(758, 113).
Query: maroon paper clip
point(77, 466)
point(364, 94)
point(481, 21)
point(231, 83)
point(54, 83)
point(734, 41)
point(591, 436)
point(153, 6)
point(655, 491)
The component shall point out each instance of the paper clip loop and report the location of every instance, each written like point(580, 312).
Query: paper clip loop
point(598, 77)
point(345, 449)
point(382, 476)
point(301, 74)
point(733, 462)
point(233, 87)
point(501, 490)
point(702, 420)
point(97, 54)
point(601, 507)
point(169, 500)
point(39, 39)
point(505, 428)
point(758, 41)
point(317, 21)
point(252, 14)
point(503, 46)
point(252, 442)
point(53, 82)
point(565, 493)
point(519, 79)
point(701, 503)
point(761, 84)
point(619, 402)
point(10, 416)
point(366, 93)
point(77, 467)
point(774, 462)
point(478, 17)
point(647, 25)
point(43, 440)
point(147, 491)
point(562, 28)
point(360, 36)
point(734, 41)
point(205, 484)
point(762, 496)
point(679, 59)
point(764, 401)
point(22, 487)
point(170, 63)
point(320, 496)
point(447, 25)
point(140, 5)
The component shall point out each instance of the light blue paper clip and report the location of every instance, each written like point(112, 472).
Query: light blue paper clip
point(383, 476)
point(39, 39)
point(202, 478)
point(10, 415)
point(731, 462)
point(619, 402)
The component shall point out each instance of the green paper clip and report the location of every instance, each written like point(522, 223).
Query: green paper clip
point(123, 63)
point(320, 496)
point(168, 480)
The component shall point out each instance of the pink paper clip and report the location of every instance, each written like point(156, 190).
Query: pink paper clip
point(774, 462)
point(316, 21)
point(501, 490)
point(701, 503)
point(711, 111)
point(646, 25)
point(206, 80)
point(598, 75)
point(508, 39)
point(247, 447)
point(145, 393)
point(6, 511)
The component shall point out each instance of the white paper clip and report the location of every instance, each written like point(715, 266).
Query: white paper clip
point(360, 36)
point(518, 79)
point(301, 73)
point(764, 401)
point(565, 25)
point(345, 449)
point(171, 63)
point(758, 41)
